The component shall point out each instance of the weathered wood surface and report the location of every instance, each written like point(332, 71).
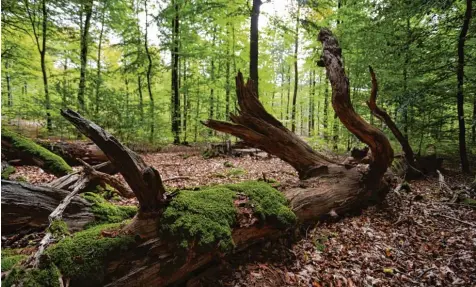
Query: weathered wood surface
point(70, 151)
point(28, 206)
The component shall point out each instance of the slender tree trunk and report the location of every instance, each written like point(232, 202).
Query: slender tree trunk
point(141, 100)
point(197, 114)
point(9, 87)
point(460, 94)
point(212, 78)
point(325, 121)
point(255, 10)
point(473, 127)
point(289, 94)
point(98, 63)
point(84, 55)
point(149, 76)
point(227, 75)
point(312, 84)
point(405, 80)
point(175, 76)
point(296, 74)
point(65, 90)
point(185, 101)
point(282, 92)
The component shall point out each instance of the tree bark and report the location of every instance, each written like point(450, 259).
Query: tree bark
point(9, 86)
point(26, 206)
point(254, 32)
point(460, 94)
point(98, 61)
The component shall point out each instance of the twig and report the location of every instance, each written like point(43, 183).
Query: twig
point(456, 219)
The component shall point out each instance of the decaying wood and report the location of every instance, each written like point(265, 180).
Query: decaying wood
point(144, 180)
point(67, 182)
point(70, 151)
point(26, 206)
point(57, 214)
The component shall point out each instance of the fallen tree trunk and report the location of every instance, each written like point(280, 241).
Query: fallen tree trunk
point(151, 257)
point(28, 206)
point(71, 151)
point(20, 150)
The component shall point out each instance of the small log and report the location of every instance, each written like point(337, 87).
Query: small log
point(27, 206)
point(70, 151)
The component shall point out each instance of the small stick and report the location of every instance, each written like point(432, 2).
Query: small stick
point(456, 219)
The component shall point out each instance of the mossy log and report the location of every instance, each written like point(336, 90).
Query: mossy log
point(17, 147)
point(71, 151)
point(176, 235)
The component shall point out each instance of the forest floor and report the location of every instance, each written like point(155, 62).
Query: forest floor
point(416, 237)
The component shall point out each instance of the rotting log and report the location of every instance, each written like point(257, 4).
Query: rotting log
point(20, 150)
point(329, 188)
point(26, 206)
point(71, 151)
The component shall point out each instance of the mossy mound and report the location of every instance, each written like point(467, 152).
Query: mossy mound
point(7, 172)
point(206, 217)
point(51, 162)
point(268, 203)
point(83, 256)
point(10, 257)
point(47, 276)
point(106, 212)
point(58, 228)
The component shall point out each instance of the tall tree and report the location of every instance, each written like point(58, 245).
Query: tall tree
point(296, 73)
point(87, 8)
point(149, 76)
point(175, 76)
point(98, 60)
point(460, 94)
point(35, 22)
point(254, 36)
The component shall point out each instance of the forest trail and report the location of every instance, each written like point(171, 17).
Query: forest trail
point(414, 236)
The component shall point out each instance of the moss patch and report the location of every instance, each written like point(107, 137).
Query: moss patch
point(106, 212)
point(58, 228)
point(45, 277)
point(83, 255)
point(7, 172)
point(206, 217)
point(267, 202)
point(236, 172)
point(10, 257)
point(52, 162)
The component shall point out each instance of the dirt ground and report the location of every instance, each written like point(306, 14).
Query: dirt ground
point(415, 238)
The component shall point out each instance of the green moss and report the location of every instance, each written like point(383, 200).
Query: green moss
point(228, 164)
point(235, 172)
point(83, 255)
point(267, 202)
point(9, 259)
point(7, 172)
point(206, 217)
point(47, 276)
point(52, 162)
point(470, 201)
point(106, 212)
point(58, 228)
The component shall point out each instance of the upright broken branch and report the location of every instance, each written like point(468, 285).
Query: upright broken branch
point(144, 180)
point(384, 117)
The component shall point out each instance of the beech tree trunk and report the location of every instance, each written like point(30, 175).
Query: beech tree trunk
point(84, 54)
point(460, 94)
point(255, 10)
